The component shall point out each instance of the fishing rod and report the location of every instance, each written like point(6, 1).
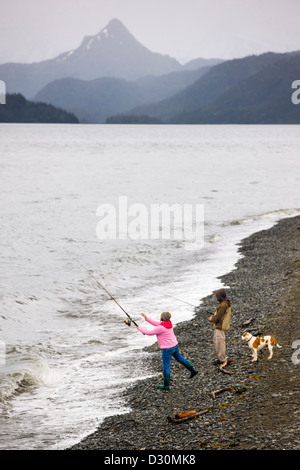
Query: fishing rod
point(130, 320)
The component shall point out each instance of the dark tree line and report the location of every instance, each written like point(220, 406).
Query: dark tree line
point(18, 109)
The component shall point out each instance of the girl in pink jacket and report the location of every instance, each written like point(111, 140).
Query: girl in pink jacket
point(169, 346)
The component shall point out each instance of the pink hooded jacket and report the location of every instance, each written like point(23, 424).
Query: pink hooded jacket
point(164, 332)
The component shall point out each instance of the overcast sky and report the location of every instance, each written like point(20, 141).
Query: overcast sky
point(33, 30)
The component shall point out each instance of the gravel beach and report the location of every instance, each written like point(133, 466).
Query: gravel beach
point(261, 409)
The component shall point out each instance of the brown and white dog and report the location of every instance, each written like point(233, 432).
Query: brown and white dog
point(255, 344)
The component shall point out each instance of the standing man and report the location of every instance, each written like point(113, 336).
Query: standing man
point(221, 321)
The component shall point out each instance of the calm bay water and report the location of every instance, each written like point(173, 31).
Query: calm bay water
point(65, 351)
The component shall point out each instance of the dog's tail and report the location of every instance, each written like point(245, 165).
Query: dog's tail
point(273, 342)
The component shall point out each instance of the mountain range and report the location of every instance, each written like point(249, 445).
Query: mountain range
point(255, 89)
point(113, 78)
point(113, 52)
point(94, 101)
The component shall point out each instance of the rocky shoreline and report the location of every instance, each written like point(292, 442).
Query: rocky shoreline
point(261, 408)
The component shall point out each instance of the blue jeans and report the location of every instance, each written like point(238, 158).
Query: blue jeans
point(167, 355)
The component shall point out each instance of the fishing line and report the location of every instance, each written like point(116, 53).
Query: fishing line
point(176, 298)
point(163, 293)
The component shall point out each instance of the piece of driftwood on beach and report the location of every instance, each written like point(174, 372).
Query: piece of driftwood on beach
point(222, 368)
point(186, 416)
point(235, 389)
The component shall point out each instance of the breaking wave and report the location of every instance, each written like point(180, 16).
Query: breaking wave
point(39, 374)
point(271, 216)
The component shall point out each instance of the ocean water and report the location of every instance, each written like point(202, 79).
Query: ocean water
point(65, 352)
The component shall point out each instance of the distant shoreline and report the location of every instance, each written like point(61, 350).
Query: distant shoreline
point(265, 290)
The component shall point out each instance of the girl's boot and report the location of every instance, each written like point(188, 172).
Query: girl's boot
point(193, 371)
point(166, 384)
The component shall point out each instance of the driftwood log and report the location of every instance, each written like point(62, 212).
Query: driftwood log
point(222, 369)
point(235, 389)
point(186, 416)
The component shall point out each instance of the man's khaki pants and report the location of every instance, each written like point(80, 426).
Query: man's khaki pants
point(219, 342)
